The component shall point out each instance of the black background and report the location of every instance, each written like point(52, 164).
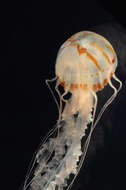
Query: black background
point(31, 33)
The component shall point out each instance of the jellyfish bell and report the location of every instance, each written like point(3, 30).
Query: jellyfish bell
point(86, 60)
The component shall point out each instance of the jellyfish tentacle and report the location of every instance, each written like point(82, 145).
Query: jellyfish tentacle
point(61, 99)
point(120, 83)
point(109, 100)
point(47, 83)
point(95, 106)
point(59, 106)
point(66, 91)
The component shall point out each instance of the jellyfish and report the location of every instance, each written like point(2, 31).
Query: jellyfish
point(85, 64)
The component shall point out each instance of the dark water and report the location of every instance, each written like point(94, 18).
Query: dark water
point(31, 33)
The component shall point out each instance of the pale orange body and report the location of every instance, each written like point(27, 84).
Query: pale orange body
point(87, 61)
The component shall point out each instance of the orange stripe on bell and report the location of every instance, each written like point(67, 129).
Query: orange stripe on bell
point(76, 86)
point(111, 74)
point(101, 50)
point(105, 82)
point(100, 86)
point(109, 47)
point(82, 50)
point(113, 60)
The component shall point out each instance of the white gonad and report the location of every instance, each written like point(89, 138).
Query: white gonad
point(85, 64)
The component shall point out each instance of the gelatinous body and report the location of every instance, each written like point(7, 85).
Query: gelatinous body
point(85, 63)
point(86, 60)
